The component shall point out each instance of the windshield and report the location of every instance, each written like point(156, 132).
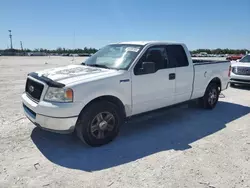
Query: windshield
point(114, 56)
point(245, 59)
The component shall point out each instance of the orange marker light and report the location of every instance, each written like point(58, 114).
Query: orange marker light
point(69, 94)
point(229, 71)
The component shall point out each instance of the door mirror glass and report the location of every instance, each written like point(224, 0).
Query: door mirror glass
point(148, 67)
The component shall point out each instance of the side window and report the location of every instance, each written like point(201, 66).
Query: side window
point(177, 56)
point(156, 54)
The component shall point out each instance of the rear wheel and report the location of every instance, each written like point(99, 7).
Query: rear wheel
point(99, 123)
point(210, 99)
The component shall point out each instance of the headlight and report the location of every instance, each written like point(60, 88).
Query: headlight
point(59, 94)
point(234, 70)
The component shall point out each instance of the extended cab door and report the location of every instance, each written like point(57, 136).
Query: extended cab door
point(184, 72)
point(154, 90)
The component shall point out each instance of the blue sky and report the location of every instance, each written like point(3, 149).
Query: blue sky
point(52, 23)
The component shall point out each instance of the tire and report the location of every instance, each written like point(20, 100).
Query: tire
point(232, 85)
point(211, 96)
point(99, 123)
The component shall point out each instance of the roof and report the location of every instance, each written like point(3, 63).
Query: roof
point(148, 42)
point(138, 42)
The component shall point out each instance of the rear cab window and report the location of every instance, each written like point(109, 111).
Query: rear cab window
point(177, 55)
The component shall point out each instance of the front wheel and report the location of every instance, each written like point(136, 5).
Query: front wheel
point(99, 123)
point(210, 99)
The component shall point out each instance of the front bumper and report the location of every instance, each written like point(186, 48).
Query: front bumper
point(47, 122)
point(239, 79)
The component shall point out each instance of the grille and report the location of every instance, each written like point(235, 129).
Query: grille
point(34, 89)
point(241, 70)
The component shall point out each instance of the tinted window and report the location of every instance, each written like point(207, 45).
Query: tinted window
point(245, 59)
point(156, 54)
point(177, 56)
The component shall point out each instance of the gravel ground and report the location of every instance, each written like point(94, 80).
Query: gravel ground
point(179, 147)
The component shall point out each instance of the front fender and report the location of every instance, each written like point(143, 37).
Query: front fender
point(85, 93)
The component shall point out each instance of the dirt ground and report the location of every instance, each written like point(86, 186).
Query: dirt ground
point(179, 147)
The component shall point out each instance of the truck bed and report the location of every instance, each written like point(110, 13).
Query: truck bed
point(205, 71)
point(208, 61)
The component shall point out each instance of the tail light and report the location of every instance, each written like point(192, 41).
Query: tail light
point(229, 71)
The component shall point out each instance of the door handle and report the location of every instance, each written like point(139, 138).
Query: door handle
point(171, 76)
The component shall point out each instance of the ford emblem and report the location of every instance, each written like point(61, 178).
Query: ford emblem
point(31, 88)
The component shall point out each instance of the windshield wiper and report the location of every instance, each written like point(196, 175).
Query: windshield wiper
point(91, 65)
point(98, 65)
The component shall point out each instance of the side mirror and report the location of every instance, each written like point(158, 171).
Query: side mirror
point(148, 67)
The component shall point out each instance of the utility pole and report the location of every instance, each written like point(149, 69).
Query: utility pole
point(21, 45)
point(74, 46)
point(11, 47)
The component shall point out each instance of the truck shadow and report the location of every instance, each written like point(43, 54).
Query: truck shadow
point(142, 136)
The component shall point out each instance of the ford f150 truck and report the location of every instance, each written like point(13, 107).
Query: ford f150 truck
point(240, 72)
point(120, 80)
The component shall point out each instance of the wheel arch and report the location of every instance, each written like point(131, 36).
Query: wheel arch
point(110, 98)
point(217, 81)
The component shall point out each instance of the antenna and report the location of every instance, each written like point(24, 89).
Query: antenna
point(11, 47)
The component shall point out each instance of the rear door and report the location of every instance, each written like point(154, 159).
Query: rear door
point(154, 90)
point(184, 72)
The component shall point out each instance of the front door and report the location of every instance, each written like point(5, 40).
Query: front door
point(154, 90)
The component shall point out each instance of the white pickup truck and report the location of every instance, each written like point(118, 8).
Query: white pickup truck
point(240, 72)
point(120, 80)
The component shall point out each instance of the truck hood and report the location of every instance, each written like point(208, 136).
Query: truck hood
point(239, 64)
point(73, 73)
